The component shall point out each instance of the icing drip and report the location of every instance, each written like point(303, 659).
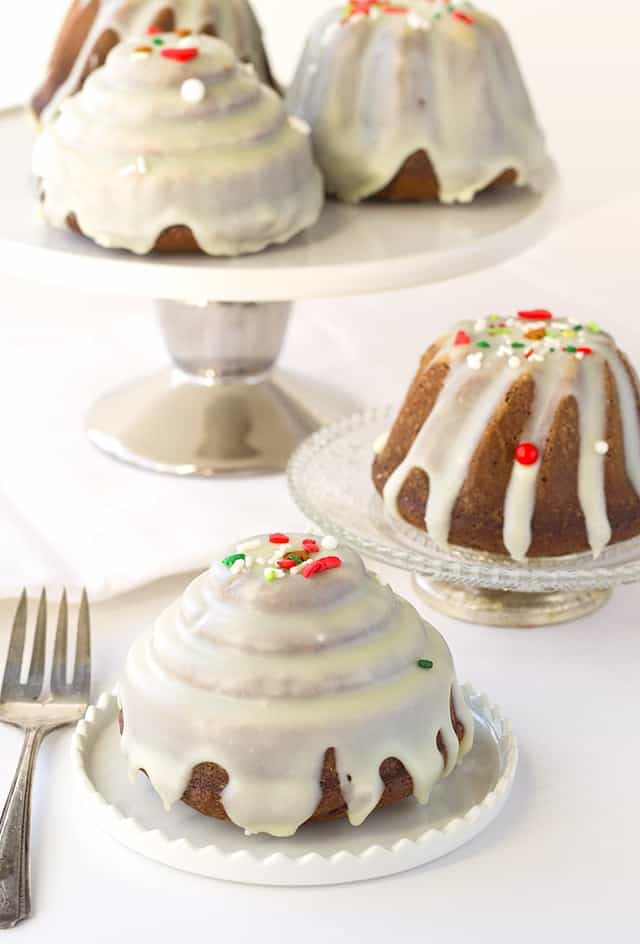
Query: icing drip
point(485, 360)
point(375, 88)
point(233, 21)
point(263, 677)
point(131, 155)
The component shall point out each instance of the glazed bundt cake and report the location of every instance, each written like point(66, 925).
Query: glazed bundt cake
point(93, 27)
point(174, 145)
point(518, 436)
point(416, 100)
point(288, 684)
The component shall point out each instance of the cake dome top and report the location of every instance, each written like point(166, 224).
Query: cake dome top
point(263, 674)
point(174, 130)
point(534, 364)
point(92, 27)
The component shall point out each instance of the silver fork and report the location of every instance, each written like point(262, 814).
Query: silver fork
point(22, 705)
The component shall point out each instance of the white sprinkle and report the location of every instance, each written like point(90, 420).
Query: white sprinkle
point(193, 91)
point(296, 570)
point(601, 447)
point(503, 350)
point(329, 543)
point(480, 325)
point(141, 165)
point(299, 125)
point(380, 443)
point(248, 561)
point(579, 355)
point(237, 567)
point(417, 22)
point(261, 561)
point(139, 56)
point(128, 170)
point(474, 361)
point(514, 362)
point(248, 546)
point(538, 358)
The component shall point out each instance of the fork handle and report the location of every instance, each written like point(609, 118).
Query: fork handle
point(15, 828)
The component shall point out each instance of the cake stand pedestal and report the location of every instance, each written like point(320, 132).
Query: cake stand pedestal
point(220, 408)
point(330, 481)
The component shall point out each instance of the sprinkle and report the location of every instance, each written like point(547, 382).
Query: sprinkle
point(601, 447)
point(529, 353)
point(188, 42)
point(474, 361)
point(261, 561)
point(593, 327)
point(380, 443)
point(278, 538)
point(514, 362)
point(141, 165)
point(461, 338)
point(184, 32)
point(310, 545)
point(145, 49)
point(180, 55)
point(536, 334)
point(579, 356)
point(298, 124)
point(585, 351)
point(271, 574)
point(480, 325)
point(320, 565)
point(329, 543)
point(193, 91)
point(494, 317)
point(425, 664)
point(570, 349)
point(238, 567)
point(249, 545)
point(527, 454)
point(153, 30)
point(484, 344)
point(463, 17)
point(568, 333)
point(517, 344)
point(537, 314)
point(287, 563)
point(232, 559)
point(158, 42)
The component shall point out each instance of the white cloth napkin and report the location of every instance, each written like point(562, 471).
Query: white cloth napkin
point(71, 516)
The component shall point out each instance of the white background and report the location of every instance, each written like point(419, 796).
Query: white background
point(561, 863)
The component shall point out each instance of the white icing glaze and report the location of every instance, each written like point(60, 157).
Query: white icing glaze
point(375, 89)
point(130, 158)
point(263, 677)
point(477, 382)
point(233, 21)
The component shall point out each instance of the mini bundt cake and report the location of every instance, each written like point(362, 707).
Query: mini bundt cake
point(287, 685)
point(518, 436)
point(417, 100)
point(92, 28)
point(174, 145)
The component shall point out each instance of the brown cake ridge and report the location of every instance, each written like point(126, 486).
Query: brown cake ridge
point(208, 780)
point(76, 27)
point(558, 525)
point(417, 181)
point(174, 239)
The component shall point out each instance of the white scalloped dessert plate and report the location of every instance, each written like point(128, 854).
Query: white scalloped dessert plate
point(391, 841)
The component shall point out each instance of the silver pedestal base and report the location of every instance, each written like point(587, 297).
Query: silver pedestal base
point(508, 608)
point(221, 409)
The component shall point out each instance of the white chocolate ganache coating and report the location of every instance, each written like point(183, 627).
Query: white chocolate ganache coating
point(486, 360)
point(384, 81)
point(261, 670)
point(233, 21)
point(174, 131)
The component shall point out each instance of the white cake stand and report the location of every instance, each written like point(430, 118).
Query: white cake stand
point(221, 408)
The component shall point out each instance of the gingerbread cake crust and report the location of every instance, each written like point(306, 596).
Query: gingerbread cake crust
point(416, 181)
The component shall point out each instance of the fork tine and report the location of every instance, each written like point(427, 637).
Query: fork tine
point(59, 667)
point(13, 668)
point(33, 687)
point(82, 673)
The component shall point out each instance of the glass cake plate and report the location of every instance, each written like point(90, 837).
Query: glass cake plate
point(330, 480)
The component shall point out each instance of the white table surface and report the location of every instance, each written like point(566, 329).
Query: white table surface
point(561, 862)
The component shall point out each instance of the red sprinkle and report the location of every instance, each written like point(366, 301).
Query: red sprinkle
point(538, 314)
point(461, 338)
point(180, 55)
point(528, 354)
point(320, 565)
point(527, 454)
point(459, 15)
point(584, 350)
point(153, 30)
point(310, 545)
point(278, 538)
point(286, 564)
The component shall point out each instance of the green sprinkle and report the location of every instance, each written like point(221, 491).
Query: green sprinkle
point(230, 561)
point(270, 576)
point(425, 664)
point(483, 344)
point(552, 350)
point(517, 344)
point(593, 327)
point(158, 42)
point(494, 317)
point(570, 349)
point(294, 557)
point(577, 327)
